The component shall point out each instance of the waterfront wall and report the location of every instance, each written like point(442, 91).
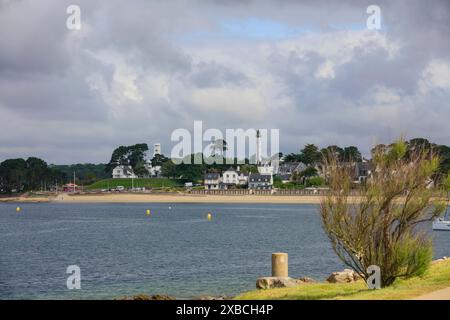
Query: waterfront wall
point(279, 192)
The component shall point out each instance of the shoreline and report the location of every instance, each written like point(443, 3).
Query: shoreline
point(183, 198)
point(442, 293)
point(165, 198)
point(171, 198)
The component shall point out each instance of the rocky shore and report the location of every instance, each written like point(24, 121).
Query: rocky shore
point(345, 276)
point(263, 283)
point(167, 297)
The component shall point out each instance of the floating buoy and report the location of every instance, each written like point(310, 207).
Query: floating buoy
point(209, 216)
point(18, 209)
point(148, 212)
point(170, 208)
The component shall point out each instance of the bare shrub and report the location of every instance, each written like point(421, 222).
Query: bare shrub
point(380, 226)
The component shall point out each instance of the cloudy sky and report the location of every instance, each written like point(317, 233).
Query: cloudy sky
point(139, 69)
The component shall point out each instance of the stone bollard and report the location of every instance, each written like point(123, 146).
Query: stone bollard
point(279, 264)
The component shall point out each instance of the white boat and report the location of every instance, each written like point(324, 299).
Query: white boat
point(441, 224)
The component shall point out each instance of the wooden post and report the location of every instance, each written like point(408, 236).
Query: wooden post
point(279, 264)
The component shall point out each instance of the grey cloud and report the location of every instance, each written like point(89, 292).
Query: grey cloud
point(31, 37)
point(50, 97)
point(374, 68)
point(54, 112)
point(212, 74)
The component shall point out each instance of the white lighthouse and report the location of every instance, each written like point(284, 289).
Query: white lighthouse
point(258, 148)
point(156, 149)
point(268, 166)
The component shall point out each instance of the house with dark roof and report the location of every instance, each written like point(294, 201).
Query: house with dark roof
point(260, 181)
point(287, 169)
point(285, 178)
point(291, 167)
point(212, 181)
point(363, 170)
point(358, 171)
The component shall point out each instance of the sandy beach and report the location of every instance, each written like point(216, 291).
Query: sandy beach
point(181, 198)
point(163, 198)
point(170, 198)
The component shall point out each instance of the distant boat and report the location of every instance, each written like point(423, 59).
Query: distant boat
point(441, 224)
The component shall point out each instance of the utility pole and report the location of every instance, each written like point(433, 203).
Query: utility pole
point(74, 181)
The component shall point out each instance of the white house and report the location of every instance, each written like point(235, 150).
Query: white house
point(268, 167)
point(242, 178)
point(122, 171)
point(229, 178)
point(234, 177)
point(153, 171)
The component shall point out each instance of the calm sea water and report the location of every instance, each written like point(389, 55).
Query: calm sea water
point(122, 251)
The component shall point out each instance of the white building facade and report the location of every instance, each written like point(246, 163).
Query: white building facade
point(123, 172)
point(234, 177)
point(156, 149)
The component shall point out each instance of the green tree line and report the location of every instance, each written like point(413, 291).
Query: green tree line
point(19, 175)
point(311, 155)
point(86, 173)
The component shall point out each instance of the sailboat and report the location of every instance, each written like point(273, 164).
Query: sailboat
point(442, 223)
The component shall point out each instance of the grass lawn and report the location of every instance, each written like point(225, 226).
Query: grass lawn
point(138, 183)
point(436, 278)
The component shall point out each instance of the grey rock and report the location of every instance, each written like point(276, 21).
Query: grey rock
point(346, 276)
point(307, 280)
point(444, 258)
point(213, 298)
point(280, 282)
point(148, 297)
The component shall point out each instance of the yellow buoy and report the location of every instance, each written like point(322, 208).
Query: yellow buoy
point(18, 209)
point(209, 216)
point(148, 212)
